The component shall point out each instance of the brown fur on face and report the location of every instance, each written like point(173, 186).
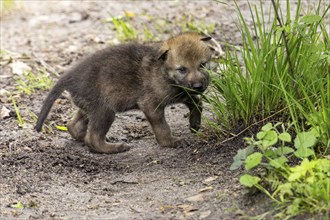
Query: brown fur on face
point(133, 76)
point(189, 52)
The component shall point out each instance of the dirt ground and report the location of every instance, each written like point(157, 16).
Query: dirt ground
point(55, 177)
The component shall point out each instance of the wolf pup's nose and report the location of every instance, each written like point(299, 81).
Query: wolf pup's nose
point(198, 86)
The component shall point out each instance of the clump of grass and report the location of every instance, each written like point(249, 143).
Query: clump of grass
point(28, 119)
point(279, 71)
point(124, 30)
point(29, 81)
point(20, 120)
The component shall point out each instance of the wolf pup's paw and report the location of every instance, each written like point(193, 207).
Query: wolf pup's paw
point(195, 123)
point(176, 143)
point(170, 142)
point(195, 128)
point(109, 148)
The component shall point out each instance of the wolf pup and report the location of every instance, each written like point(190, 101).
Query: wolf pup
point(134, 76)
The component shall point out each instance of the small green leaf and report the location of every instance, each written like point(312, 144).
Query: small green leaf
point(248, 180)
point(270, 153)
point(303, 152)
point(285, 136)
point(305, 139)
point(267, 127)
point(316, 130)
point(236, 164)
point(324, 165)
point(278, 162)
point(309, 19)
point(240, 157)
point(61, 128)
point(283, 190)
point(18, 205)
point(301, 170)
point(294, 176)
point(269, 139)
point(284, 150)
point(253, 160)
point(261, 135)
point(311, 179)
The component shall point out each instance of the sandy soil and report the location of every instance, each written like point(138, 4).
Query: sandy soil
point(56, 177)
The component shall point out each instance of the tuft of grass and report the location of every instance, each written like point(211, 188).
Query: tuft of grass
point(29, 81)
point(281, 72)
point(124, 30)
point(127, 31)
point(27, 120)
point(20, 120)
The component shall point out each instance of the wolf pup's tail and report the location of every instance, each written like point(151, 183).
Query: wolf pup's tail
point(49, 101)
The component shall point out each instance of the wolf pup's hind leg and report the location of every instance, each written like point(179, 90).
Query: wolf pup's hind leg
point(77, 126)
point(99, 123)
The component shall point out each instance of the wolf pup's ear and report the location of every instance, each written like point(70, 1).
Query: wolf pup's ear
point(163, 55)
point(206, 38)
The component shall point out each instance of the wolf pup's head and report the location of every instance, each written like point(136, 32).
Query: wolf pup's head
point(186, 59)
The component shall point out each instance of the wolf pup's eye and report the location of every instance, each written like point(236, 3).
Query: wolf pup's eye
point(182, 70)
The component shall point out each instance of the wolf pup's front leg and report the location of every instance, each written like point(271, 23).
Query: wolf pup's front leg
point(161, 129)
point(194, 103)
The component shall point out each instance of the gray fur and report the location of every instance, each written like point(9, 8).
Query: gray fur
point(133, 76)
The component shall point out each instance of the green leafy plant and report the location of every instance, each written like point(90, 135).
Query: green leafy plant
point(295, 189)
